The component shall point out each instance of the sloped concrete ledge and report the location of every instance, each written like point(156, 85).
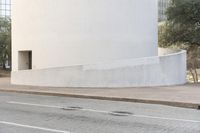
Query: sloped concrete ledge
point(168, 69)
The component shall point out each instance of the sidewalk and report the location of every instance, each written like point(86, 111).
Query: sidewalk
point(187, 96)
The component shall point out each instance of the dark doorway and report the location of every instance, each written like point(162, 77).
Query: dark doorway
point(25, 60)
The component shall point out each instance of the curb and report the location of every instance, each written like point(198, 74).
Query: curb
point(48, 93)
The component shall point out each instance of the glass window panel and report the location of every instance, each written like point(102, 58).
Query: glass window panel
point(5, 8)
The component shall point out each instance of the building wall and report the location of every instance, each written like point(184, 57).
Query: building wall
point(168, 69)
point(77, 32)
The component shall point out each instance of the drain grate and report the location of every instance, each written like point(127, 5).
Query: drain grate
point(120, 113)
point(71, 108)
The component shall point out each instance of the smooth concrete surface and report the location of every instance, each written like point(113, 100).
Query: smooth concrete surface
point(150, 71)
point(90, 43)
point(64, 33)
point(20, 113)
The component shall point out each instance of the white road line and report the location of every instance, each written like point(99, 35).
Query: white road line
point(106, 112)
point(51, 106)
point(33, 127)
point(97, 111)
point(32, 104)
point(165, 118)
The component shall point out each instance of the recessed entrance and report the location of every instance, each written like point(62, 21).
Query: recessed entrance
point(24, 60)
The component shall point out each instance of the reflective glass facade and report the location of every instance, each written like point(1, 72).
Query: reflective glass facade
point(162, 6)
point(5, 8)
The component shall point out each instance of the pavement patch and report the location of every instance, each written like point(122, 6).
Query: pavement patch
point(72, 108)
point(120, 113)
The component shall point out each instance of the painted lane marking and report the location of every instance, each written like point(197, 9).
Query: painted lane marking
point(58, 107)
point(97, 111)
point(165, 118)
point(50, 106)
point(33, 127)
point(106, 112)
point(32, 104)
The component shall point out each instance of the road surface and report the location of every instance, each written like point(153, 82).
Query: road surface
point(25, 113)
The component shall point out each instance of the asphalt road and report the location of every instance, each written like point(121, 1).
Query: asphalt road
point(23, 113)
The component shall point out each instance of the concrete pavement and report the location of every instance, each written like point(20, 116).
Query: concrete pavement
point(182, 96)
point(27, 113)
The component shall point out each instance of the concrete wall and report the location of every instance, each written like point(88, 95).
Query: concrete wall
point(76, 32)
point(149, 71)
point(91, 43)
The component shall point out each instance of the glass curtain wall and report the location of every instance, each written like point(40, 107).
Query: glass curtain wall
point(5, 8)
point(162, 6)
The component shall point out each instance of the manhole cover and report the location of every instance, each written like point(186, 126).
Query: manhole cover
point(72, 108)
point(120, 113)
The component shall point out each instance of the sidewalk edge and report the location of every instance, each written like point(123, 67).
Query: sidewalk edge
point(48, 93)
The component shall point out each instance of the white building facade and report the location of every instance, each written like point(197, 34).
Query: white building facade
point(89, 43)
